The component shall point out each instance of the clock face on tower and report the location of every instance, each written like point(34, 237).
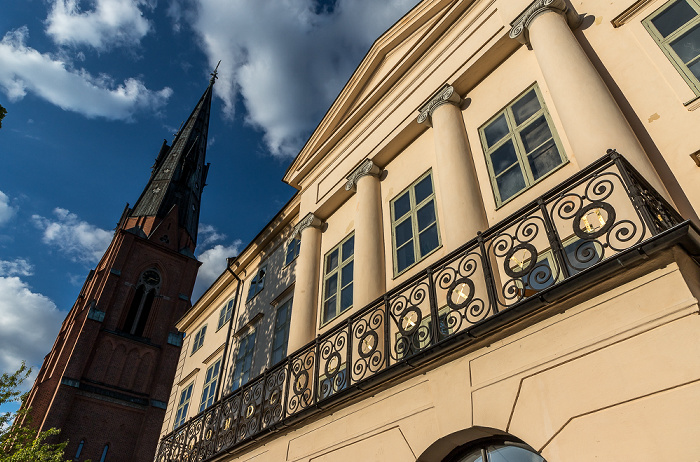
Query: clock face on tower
point(151, 278)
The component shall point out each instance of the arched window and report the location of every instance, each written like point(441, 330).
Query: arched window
point(79, 450)
point(140, 309)
point(494, 450)
point(104, 453)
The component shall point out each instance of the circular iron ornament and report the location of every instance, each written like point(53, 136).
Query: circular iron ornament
point(524, 267)
point(367, 344)
point(461, 283)
point(333, 364)
point(582, 233)
point(406, 323)
point(300, 382)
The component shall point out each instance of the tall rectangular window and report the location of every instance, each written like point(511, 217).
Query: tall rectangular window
point(257, 283)
point(337, 279)
point(292, 251)
point(281, 334)
point(211, 379)
point(676, 28)
point(244, 361)
point(521, 145)
point(183, 404)
point(225, 313)
point(414, 223)
point(199, 339)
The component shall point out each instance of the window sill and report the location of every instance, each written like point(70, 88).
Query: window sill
point(693, 104)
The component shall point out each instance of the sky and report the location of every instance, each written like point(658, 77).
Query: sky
point(92, 87)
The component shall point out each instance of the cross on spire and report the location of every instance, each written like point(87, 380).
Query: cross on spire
point(215, 74)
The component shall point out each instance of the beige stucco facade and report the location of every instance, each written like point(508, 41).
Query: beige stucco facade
point(575, 362)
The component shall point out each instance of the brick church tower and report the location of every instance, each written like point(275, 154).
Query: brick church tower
point(107, 379)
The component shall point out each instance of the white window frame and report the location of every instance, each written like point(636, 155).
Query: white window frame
point(257, 283)
point(225, 313)
point(278, 329)
point(211, 380)
point(183, 405)
point(198, 339)
point(238, 374)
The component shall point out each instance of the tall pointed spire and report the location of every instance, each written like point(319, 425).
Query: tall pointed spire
point(180, 172)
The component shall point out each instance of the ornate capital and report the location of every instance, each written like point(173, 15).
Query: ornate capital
point(446, 95)
point(309, 220)
point(519, 27)
point(365, 168)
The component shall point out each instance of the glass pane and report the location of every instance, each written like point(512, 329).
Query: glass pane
point(346, 298)
point(329, 309)
point(424, 188)
point(510, 183)
point(281, 315)
point(278, 341)
point(348, 248)
point(346, 274)
point(426, 215)
point(496, 130)
point(503, 157)
point(695, 69)
point(544, 160)
point(535, 134)
point(332, 285)
point(332, 261)
point(402, 205)
point(673, 18)
point(428, 240)
point(687, 46)
point(474, 456)
point(525, 107)
point(404, 257)
point(512, 454)
point(404, 232)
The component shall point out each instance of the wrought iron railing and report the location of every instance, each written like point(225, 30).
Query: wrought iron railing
point(598, 213)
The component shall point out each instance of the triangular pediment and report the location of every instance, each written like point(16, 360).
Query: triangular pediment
point(387, 60)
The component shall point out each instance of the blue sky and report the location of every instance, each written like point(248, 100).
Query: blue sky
point(92, 87)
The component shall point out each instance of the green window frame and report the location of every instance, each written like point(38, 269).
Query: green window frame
point(257, 283)
point(521, 145)
point(414, 223)
point(338, 269)
point(199, 339)
point(211, 379)
point(676, 29)
point(280, 337)
point(244, 361)
point(183, 404)
point(225, 313)
point(292, 250)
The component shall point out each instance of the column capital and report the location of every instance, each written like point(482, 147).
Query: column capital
point(519, 27)
point(309, 221)
point(446, 95)
point(367, 167)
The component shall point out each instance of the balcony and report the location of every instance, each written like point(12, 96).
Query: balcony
point(601, 221)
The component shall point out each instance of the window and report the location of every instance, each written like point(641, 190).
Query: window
point(181, 413)
point(494, 450)
point(225, 313)
point(210, 381)
point(676, 28)
point(257, 283)
point(292, 250)
point(146, 290)
point(281, 334)
point(414, 224)
point(244, 361)
point(199, 339)
point(520, 146)
point(104, 453)
point(337, 279)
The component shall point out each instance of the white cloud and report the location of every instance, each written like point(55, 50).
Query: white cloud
point(24, 69)
point(29, 323)
point(208, 234)
point(286, 60)
point(213, 264)
point(110, 23)
point(6, 210)
point(17, 267)
point(80, 240)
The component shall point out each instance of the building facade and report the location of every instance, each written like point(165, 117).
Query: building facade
point(491, 254)
point(106, 381)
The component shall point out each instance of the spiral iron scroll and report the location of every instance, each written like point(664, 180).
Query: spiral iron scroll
point(332, 352)
point(300, 388)
point(407, 313)
point(368, 340)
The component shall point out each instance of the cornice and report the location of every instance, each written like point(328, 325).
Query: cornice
point(519, 27)
point(365, 168)
point(446, 95)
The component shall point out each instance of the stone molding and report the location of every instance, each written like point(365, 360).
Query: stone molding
point(367, 167)
point(446, 95)
point(519, 27)
point(309, 220)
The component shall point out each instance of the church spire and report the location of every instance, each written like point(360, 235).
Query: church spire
point(179, 173)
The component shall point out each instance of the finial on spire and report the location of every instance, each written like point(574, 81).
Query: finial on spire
point(215, 74)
